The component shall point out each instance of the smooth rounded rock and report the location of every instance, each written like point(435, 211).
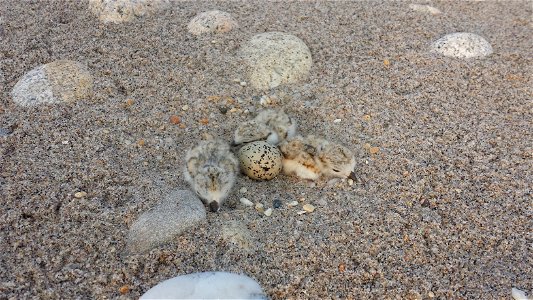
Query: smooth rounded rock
point(462, 45)
point(178, 212)
point(207, 285)
point(260, 160)
point(55, 82)
point(276, 58)
point(118, 11)
point(213, 21)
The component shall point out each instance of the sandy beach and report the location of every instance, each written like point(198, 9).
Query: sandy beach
point(441, 208)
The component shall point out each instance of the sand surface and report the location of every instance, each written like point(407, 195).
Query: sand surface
point(442, 207)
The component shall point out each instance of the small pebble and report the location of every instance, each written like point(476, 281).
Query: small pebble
point(268, 212)
point(243, 190)
point(431, 294)
point(64, 142)
point(80, 194)
point(185, 107)
point(259, 207)
point(337, 121)
point(175, 119)
point(277, 203)
point(124, 289)
point(301, 212)
point(350, 182)
point(246, 202)
point(243, 83)
point(293, 203)
point(374, 150)
point(309, 208)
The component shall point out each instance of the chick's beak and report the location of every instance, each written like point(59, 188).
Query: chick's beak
point(352, 176)
point(214, 206)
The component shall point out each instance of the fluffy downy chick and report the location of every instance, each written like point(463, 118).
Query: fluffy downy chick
point(312, 157)
point(210, 171)
point(270, 125)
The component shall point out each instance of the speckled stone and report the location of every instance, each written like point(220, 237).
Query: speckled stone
point(118, 11)
point(213, 21)
point(181, 210)
point(55, 82)
point(462, 45)
point(276, 58)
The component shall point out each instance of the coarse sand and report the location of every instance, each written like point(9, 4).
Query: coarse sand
point(442, 207)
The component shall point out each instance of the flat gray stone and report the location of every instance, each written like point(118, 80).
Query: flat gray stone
point(178, 212)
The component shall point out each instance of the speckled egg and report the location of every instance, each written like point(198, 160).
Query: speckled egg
point(260, 160)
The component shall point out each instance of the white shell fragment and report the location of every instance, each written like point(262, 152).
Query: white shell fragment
point(276, 58)
point(518, 294)
point(246, 202)
point(207, 285)
point(213, 21)
point(462, 45)
point(268, 212)
point(260, 160)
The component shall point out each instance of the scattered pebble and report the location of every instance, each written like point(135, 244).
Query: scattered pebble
point(259, 207)
point(373, 150)
point(64, 142)
point(204, 121)
point(275, 58)
point(277, 203)
point(309, 208)
point(301, 212)
point(80, 194)
point(185, 107)
point(268, 212)
point(243, 190)
point(246, 202)
point(213, 21)
point(431, 294)
point(243, 83)
point(366, 118)
point(462, 45)
point(518, 294)
point(124, 289)
point(175, 120)
point(386, 62)
point(292, 203)
point(337, 121)
point(55, 82)
point(350, 181)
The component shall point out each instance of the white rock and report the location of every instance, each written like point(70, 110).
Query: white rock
point(425, 9)
point(207, 285)
point(55, 82)
point(246, 202)
point(213, 21)
point(243, 190)
point(462, 45)
point(268, 212)
point(118, 11)
point(275, 58)
point(177, 212)
point(518, 294)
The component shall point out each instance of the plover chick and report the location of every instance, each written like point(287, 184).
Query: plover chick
point(312, 157)
point(298, 159)
point(210, 171)
point(270, 125)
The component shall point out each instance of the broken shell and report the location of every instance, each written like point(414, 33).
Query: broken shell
point(268, 212)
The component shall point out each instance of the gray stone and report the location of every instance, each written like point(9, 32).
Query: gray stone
point(462, 45)
point(118, 11)
point(178, 212)
point(55, 82)
point(275, 58)
point(213, 21)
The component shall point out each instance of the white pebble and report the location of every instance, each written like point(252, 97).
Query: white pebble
point(518, 294)
point(259, 207)
point(243, 190)
point(337, 121)
point(246, 202)
point(64, 142)
point(293, 203)
point(309, 208)
point(268, 212)
point(243, 83)
point(301, 212)
point(80, 194)
point(350, 182)
point(185, 107)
